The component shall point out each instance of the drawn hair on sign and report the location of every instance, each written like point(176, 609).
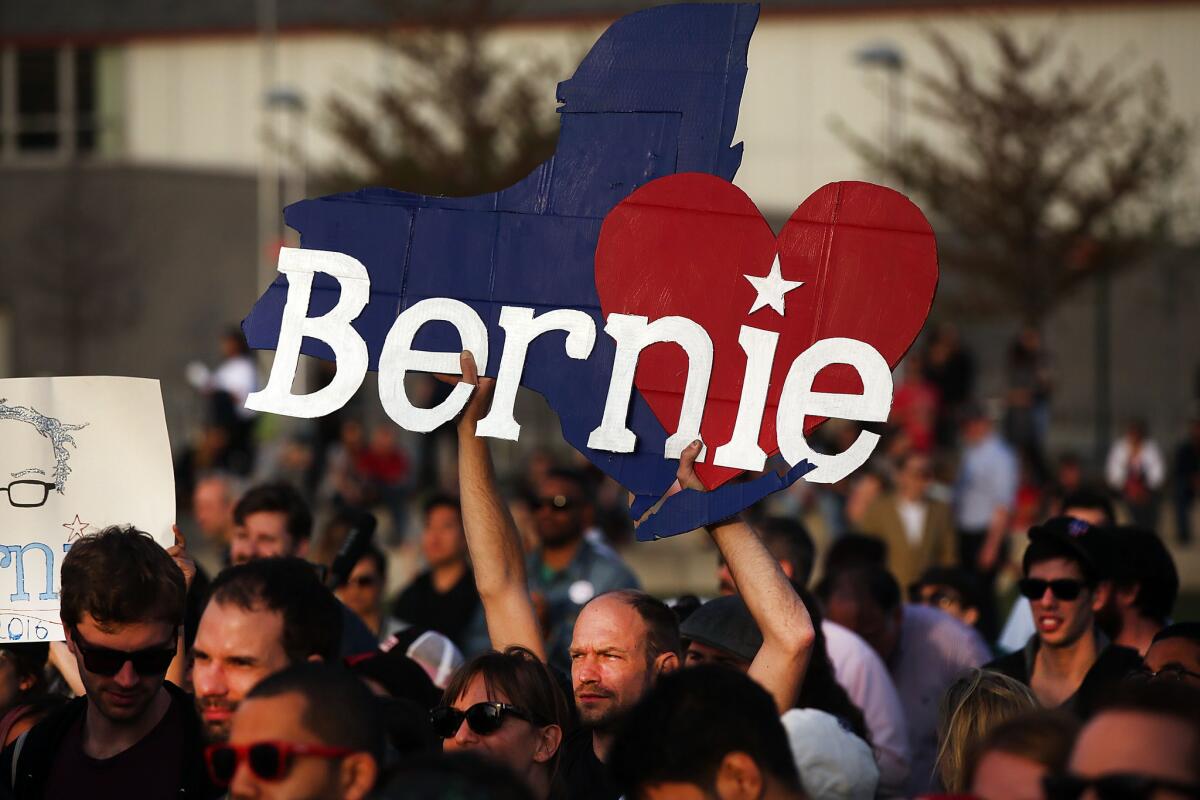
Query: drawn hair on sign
point(58, 432)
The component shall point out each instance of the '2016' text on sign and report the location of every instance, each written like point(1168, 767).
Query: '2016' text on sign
point(631, 333)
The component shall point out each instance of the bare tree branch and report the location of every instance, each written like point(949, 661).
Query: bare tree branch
point(1055, 171)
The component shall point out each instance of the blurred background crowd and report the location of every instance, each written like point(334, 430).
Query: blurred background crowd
point(146, 149)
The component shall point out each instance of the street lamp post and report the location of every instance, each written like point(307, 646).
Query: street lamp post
point(890, 58)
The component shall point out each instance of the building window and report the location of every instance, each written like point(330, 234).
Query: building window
point(59, 102)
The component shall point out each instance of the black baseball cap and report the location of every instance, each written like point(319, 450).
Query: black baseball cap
point(1088, 545)
point(724, 623)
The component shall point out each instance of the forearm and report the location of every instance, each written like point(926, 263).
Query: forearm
point(786, 627)
point(497, 557)
point(177, 671)
point(64, 662)
point(997, 527)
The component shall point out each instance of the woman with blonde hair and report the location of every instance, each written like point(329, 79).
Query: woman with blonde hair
point(972, 706)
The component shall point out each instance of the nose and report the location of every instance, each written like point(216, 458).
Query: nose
point(244, 784)
point(585, 670)
point(208, 680)
point(464, 737)
point(1047, 599)
point(126, 677)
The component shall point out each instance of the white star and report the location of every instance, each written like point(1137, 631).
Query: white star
point(771, 289)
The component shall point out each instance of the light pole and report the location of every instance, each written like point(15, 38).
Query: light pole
point(890, 58)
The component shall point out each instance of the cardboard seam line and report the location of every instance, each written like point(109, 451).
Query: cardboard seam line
point(852, 226)
point(826, 256)
point(627, 203)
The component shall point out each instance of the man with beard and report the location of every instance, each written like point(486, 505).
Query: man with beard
point(261, 617)
point(624, 639)
point(133, 734)
point(1069, 662)
point(623, 642)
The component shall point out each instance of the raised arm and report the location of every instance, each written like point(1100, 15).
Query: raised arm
point(786, 627)
point(492, 538)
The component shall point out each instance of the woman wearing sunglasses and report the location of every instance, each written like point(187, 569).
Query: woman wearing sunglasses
point(508, 708)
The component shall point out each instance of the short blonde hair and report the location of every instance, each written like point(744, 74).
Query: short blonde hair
point(973, 705)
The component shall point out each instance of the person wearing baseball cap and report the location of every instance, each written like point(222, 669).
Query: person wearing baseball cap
point(1068, 662)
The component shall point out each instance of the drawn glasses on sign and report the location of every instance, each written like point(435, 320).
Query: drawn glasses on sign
point(27, 493)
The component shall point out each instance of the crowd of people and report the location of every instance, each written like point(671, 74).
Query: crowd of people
point(525, 660)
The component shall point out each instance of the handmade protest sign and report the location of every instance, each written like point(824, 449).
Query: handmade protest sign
point(76, 455)
point(626, 280)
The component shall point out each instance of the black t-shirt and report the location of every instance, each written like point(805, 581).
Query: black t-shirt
point(152, 768)
point(1111, 667)
point(585, 776)
point(422, 606)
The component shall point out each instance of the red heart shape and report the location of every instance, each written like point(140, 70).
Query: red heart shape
point(683, 245)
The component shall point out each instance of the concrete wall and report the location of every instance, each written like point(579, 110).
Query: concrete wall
point(168, 258)
point(198, 102)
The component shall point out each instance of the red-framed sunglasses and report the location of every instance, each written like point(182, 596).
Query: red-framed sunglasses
point(270, 761)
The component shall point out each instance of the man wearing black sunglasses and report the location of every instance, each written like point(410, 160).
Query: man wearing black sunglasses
point(134, 734)
point(1144, 743)
point(1069, 662)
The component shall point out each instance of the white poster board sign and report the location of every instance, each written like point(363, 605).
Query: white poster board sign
point(76, 455)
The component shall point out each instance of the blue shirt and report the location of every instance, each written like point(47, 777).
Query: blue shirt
point(594, 570)
point(987, 480)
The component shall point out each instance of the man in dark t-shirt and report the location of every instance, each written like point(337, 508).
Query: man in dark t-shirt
point(443, 598)
point(133, 734)
point(1068, 662)
point(157, 760)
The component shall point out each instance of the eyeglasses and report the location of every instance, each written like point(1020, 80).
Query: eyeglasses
point(1171, 672)
point(1119, 786)
point(558, 502)
point(1062, 588)
point(483, 718)
point(269, 761)
point(936, 597)
point(107, 662)
point(27, 494)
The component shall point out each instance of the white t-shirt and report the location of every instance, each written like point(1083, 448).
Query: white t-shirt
point(912, 514)
point(862, 673)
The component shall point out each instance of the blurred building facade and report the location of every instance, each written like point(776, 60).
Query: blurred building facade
point(141, 174)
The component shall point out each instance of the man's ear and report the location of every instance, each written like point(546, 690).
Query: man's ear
point(357, 775)
point(302, 548)
point(549, 738)
point(67, 632)
point(739, 778)
point(788, 568)
point(1101, 594)
point(1126, 596)
point(971, 616)
point(666, 663)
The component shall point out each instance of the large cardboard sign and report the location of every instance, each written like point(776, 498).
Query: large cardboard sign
point(627, 280)
point(76, 455)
